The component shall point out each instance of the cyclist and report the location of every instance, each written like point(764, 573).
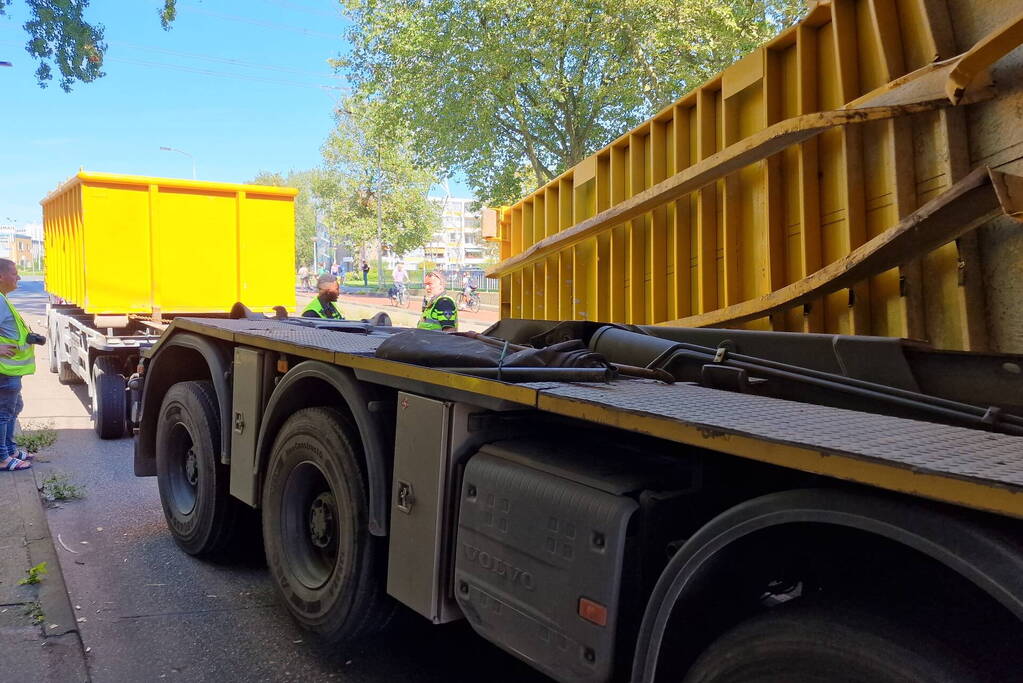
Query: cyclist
point(468, 288)
point(400, 276)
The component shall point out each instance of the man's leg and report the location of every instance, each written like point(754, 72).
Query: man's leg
point(10, 393)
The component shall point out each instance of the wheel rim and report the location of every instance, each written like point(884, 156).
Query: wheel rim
point(310, 526)
point(183, 473)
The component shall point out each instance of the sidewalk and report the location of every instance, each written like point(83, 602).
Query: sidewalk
point(50, 650)
point(38, 627)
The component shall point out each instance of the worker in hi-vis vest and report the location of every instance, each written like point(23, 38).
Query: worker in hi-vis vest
point(17, 359)
point(324, 306)
point(439, 310)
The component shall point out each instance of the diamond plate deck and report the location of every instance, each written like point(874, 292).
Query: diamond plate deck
point(331, 341)
point(920, 446)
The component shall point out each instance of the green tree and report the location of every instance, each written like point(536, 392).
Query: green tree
point(305, 208)
point(61, 37)
point(362, 169)
point(513, 92)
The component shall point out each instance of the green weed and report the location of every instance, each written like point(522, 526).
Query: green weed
point(35, 438)
point(35, 610)
point(58, 486)
point(35, 575)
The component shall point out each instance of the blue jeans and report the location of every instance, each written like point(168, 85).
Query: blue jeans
point(10, 406)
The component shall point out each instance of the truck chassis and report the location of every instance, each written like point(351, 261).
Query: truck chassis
point(86, 351)
point(628, 530)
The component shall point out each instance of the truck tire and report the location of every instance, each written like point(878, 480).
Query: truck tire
point(193, 483)
point(66, 375)
point(109, 397)
point(327, 568)
point(797, 644)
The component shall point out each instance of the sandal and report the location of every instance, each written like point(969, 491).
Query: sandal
point(23, 455)
point(12, 464)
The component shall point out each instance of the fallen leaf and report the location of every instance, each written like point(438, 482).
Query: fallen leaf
point(81, 620)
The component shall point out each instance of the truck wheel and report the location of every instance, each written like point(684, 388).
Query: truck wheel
point(326, 566)
point(109, 397)
point(193, 483)
point(66, 375)
point(799, 644)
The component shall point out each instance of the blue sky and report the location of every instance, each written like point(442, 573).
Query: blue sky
point(240, 86)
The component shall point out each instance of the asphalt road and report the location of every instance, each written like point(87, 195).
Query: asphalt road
point(149, 612)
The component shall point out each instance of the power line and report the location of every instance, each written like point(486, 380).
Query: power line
point(257, 22)
point(222, 60)
point(305, 9)
point(217, 74)
point(223, 74)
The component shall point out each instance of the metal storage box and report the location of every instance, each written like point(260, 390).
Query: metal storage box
point(119, 244)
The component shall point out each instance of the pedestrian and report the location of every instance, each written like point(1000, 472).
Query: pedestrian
point(323, 306)
point(17, 359)
point(439, 309)
point(333, 269)
point(303, 276)
point(365, 273)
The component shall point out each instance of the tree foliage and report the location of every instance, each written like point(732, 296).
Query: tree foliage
point(362, 169)
point(305, 208)
point(513, 92)
point(61, 37)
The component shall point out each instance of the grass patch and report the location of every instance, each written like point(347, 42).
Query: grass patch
point(35, 575)
point(58, 486)
point(35, 438)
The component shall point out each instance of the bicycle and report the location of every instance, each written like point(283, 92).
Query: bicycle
point(470, 301)
point(400, 297)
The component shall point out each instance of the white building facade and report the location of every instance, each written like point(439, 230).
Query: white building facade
point(457, 244)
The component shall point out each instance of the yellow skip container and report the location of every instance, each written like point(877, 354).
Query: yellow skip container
point(119, 244)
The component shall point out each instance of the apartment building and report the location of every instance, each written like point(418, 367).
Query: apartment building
point(458, 242)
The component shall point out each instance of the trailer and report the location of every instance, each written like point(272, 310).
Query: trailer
point(753, 411)
point(126, 254)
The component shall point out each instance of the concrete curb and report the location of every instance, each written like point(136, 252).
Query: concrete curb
point(61, 649)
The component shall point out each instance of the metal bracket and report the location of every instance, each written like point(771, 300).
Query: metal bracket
point(405, 497)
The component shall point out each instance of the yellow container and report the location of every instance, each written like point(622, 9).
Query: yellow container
point(118, 244)
point(698, 216)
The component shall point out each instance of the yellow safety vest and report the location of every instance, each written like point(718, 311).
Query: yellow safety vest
point(316, 306)
point(437, 320)
point(24, 360)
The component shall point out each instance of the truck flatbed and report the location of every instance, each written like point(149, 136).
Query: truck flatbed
point(968, 467)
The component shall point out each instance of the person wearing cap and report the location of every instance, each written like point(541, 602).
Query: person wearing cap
point(323, 305)
point(439, 309)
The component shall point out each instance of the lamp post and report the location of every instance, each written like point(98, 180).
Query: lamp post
point(180, 151)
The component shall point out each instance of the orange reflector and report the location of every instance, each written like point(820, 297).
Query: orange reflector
point(593, 612)
point(282, 365)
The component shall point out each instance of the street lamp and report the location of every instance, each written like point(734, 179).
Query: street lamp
point(179, 151)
